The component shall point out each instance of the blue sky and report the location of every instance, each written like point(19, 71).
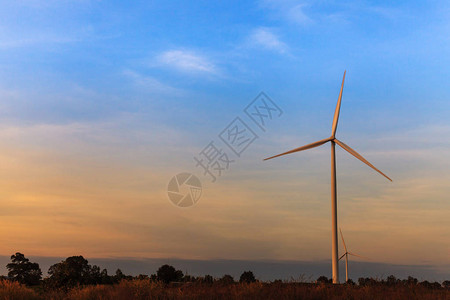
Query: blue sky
point(104, 101)
point(396, 55)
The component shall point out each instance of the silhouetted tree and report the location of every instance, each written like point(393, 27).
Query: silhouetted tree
point(436, 285)
point(362, 281)
point(426, 284)
point(367, 281)
point(142, 277)
point(105, 278)
point(153, 277)
point(121, 276)
point(446, 284)
point(392, 280)
point(168, 274)
point(189, 278)
point(208, 279)
point(277, 282)
point(24, 271)
point(75, 270)
point(247, 277)
point(226, 279)
point(412, 281)
point(323, 279)
point(350, 282)
point(95, 276)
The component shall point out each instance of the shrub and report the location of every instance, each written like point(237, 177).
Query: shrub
point(168, 274)
point(208, 279)
point(247, 277)
point(324, 279)
point(226, 279)
point(446, 284)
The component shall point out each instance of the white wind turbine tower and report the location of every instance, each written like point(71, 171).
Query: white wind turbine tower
point(334, 141)
point(346, 254)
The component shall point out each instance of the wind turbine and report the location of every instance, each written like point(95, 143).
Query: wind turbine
point(334, 141)
point(346, 256)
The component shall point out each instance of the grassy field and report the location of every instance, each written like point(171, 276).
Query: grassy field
point(146, 289)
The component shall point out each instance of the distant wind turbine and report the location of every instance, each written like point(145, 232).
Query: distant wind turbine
point(346, 254)
point(334, 141)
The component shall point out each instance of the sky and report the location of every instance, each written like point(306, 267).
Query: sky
point(103, 102)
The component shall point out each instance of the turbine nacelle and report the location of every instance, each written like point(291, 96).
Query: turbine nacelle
point(333, 139)
point(347, 253)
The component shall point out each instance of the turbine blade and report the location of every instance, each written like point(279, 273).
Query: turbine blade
point(343, 240)
point(338, 108)
point(342, 256)
point(358, 255)
point(358, 156)
point(309, 146)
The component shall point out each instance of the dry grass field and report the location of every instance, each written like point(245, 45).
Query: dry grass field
point(147, 289)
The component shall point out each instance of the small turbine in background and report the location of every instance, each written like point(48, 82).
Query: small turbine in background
point(346, 254)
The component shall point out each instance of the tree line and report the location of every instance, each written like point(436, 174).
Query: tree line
point(76, 271)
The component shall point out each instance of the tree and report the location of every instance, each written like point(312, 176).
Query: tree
point(75, 270)
point(436, 285)
point(189, 278)
point(446, 284)
point(142, 277)
point(226, 279)
point(95, 275)
point(350, 282)
point(247, 277)
point(363, 281)
point(426, 284)
point(153, 277)
point(208, 279)
point(119, 275)
point(24, 271)
point(323, 279)
point(367, 281)
point(278, 281)
point(391, 280)
point(168, 274)
point(412, 281)
point(106, 279)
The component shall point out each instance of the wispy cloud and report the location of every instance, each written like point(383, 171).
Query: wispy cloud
point(187, 61)
point(151, 84)
point(309, 12)
point(297, 14)
point(293, 11)
point(269, 40)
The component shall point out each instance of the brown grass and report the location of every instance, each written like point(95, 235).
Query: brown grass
point(15, 291)
point(146, 289)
